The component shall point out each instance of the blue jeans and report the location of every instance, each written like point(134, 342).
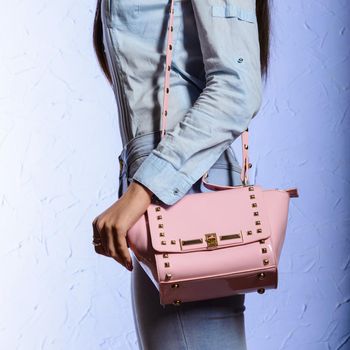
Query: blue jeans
point(203, 325)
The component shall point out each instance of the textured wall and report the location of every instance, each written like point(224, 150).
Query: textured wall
point(59, 141)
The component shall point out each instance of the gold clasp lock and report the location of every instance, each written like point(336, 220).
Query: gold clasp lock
point(211, 240)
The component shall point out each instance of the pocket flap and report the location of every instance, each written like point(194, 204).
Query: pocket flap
point(209, 220)
point(233, 11)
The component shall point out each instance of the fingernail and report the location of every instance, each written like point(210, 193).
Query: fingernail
point(129, 265)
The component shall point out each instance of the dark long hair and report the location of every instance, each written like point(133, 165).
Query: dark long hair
point(263, 17)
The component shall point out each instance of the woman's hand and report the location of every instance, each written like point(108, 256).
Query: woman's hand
point(112, 225)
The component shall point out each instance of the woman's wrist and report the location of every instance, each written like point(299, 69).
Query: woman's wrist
point(140, 190)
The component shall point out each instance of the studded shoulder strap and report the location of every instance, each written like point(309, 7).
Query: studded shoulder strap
point(169, 50)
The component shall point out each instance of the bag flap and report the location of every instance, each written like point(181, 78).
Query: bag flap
point(209, 220)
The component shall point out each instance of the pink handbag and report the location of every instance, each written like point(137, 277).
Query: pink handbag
point(212, 244)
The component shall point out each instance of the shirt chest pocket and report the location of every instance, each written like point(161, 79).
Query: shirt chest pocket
point(146, 20)
point(123, 15)
point(232, 10)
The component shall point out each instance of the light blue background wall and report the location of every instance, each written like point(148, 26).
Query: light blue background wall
point(59, 141)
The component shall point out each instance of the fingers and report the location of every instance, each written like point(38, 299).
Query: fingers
point(99, 249)
point(121, 246)
point(114, 243)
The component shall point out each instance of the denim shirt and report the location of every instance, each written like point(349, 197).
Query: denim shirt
point(215, 83)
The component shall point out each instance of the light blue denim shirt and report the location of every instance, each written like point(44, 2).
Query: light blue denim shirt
point(215, 83)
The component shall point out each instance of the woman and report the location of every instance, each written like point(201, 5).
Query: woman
point(220, 54)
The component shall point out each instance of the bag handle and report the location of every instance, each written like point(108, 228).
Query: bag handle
point(169, 50)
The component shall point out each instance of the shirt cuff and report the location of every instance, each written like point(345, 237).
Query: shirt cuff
point(166, 182)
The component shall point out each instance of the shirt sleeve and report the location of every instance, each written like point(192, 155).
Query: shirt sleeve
point(229, 41)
